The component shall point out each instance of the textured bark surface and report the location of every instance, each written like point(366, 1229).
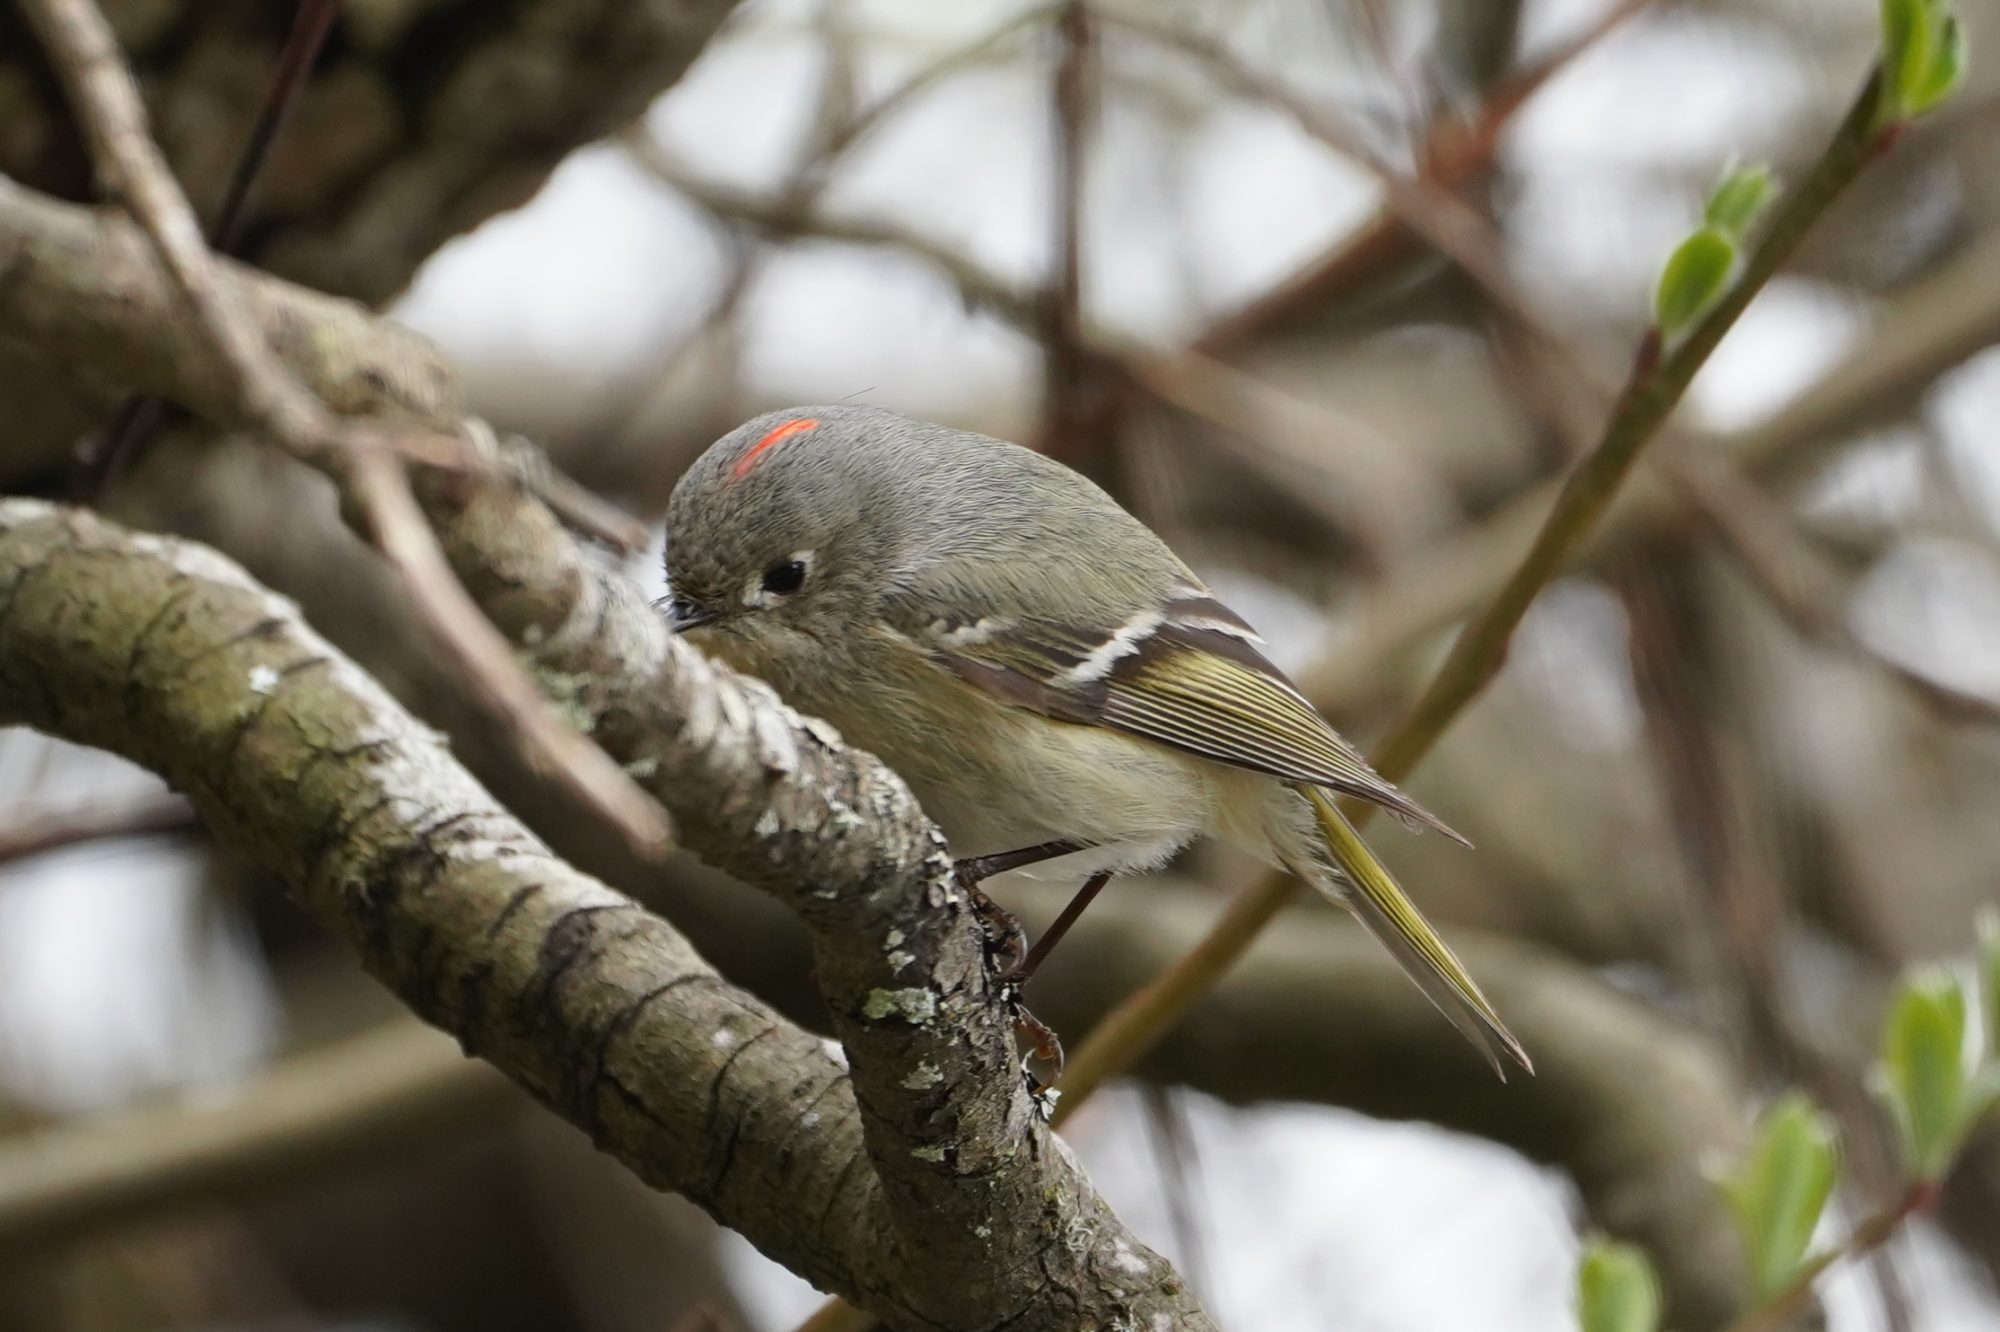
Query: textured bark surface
point(923, 1186)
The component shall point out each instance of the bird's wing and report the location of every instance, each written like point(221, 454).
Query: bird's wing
point(1186, 673)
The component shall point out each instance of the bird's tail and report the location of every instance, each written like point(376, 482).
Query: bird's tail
point(1394, 920)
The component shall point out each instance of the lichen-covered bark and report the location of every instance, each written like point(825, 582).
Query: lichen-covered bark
point(943, 1203)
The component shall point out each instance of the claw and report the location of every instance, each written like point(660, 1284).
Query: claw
point(1012, 961)
point(1006, 938)
point(1041, 1044)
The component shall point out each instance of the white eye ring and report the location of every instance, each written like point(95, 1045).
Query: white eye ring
point(795, 569)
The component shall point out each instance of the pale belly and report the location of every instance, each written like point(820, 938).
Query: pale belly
point(1002, 779)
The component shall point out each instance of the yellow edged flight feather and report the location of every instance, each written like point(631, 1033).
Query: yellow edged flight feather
point(1393, 918)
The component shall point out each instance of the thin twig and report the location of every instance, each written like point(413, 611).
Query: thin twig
point(1177, 1158)
point(1408, 79)
point(580, 509)
point(1427, 206)
point(1930, 326)
point(106, 101)
point(125, 438)
point(780, 215)
point(310, 28)
point(400, 532)
point(1733, 913)
point(1284, 439)
point(1452, 153)
point(1656, 387)
point(1066, 429)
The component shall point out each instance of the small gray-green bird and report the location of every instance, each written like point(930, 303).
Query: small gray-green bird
point(1034, 661)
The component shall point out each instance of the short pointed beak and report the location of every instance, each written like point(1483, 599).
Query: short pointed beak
point(683, 615)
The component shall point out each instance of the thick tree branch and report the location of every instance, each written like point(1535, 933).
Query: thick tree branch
point(933, 1196)
point(1629, 1104)
point(886, 954)
point(80, 286)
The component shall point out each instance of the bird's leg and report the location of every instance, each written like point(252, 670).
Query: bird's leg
point(1007, 945)
point(985, 867)
point(1041, 1040)
point(1025, 968)
point(1006, 941)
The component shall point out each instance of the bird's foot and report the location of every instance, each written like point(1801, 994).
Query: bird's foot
point(1042, 1050)
point(1006, 938)
point(1012, 962)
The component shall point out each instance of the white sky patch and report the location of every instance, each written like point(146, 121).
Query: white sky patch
point(1786, 341)
point(120, 976)
point(1262, 199)
point(1934, 606)
point(1631, 101)
point(582, 286)
point(1873, 482)
point(1570, 657)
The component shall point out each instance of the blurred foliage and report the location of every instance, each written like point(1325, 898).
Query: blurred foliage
point(1616, 1289)
point(1938, 1085)
point(1923, 57)
point(1780, 1189)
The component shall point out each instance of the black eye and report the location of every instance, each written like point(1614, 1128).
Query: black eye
point(782, 580)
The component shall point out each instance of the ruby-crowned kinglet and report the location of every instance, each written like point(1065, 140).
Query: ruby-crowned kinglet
point(1034, 662)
